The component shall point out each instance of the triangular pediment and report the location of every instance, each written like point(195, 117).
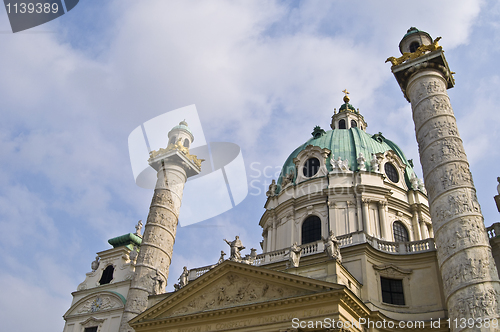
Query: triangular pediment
point(232, 285)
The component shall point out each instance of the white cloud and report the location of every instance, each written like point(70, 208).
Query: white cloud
point(261, 75)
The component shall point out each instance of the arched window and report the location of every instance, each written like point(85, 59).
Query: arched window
point(414, 46)
point(353, 124)
point(107, 275)
point(186, 143)
point(311, 167)
point(311, 229)
point(342, 124)
point(172, 140)
point(400, 232)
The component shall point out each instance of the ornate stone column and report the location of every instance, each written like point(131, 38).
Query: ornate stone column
point(173, 164)
point(470, 279)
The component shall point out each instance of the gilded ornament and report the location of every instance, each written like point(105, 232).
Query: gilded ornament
point(421, 50)
point(179, 147)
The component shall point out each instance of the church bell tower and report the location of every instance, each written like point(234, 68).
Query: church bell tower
point(174, 165)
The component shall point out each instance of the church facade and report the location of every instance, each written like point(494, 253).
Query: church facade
point(352, 239)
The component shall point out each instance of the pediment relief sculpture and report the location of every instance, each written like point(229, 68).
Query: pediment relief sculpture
point(96, 303)
point(233, 290)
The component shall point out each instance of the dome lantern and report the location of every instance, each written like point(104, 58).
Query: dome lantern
point(413, 39)
point(181, 132)
point(347, 117)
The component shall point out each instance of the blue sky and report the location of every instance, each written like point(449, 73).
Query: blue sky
point(261, 73)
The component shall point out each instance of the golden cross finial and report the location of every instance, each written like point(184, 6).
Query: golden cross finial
point(346, 98)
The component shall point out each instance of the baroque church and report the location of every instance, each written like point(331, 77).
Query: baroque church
point(352, 239)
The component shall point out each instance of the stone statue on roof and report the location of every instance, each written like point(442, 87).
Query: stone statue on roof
point(272, 189)
point(95, 264)
point(294, 254)
point(374, 163)
point(332, 247)
point(236, 247)
point(361, 162)
point(138, 228)
point(183, 279)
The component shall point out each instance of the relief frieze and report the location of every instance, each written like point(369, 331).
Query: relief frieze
point(235, 289)
point(457, 235)
point(445, 150)
point(449, 176)
point(146, 256)
point(476, 301)
point(456, 203)
point(466, 267)
point(425, 88)
point(436, 105)
point(435, 129)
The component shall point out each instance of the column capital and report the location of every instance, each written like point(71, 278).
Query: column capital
point(433, 60)
point(382, 203)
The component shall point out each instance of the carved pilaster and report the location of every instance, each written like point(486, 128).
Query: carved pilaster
point(382, 216)
point(366, 218)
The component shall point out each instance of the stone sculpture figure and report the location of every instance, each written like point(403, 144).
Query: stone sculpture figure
point(133, 254)
point(332, 247)
point(183, 279)
point(221, 258)
point(414, 182)
point(272, 189)
point(374, 163)
point(249, 259)
point(236, 247)
point(421, 186)
point(287, 179)
point(498, 187)
point(95, 264)
point(361, 162)
point(332, 162)
point(343, 165)
point(294, 254)
point(339, 163)
point(157, 283)
point(138, 228)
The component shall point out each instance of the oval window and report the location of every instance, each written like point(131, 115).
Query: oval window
point(391, 172)
point(311, 167)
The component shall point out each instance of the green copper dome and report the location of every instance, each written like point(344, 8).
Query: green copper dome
point(182, 126)
point(347, 143)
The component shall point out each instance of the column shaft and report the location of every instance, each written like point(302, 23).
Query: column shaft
point(468, 270)
point(157, 245)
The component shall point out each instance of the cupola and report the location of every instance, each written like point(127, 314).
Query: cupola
point(413, 39)
point(181, 133)
point(347, 117)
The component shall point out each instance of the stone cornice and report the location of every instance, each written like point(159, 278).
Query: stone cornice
point(249, 271)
